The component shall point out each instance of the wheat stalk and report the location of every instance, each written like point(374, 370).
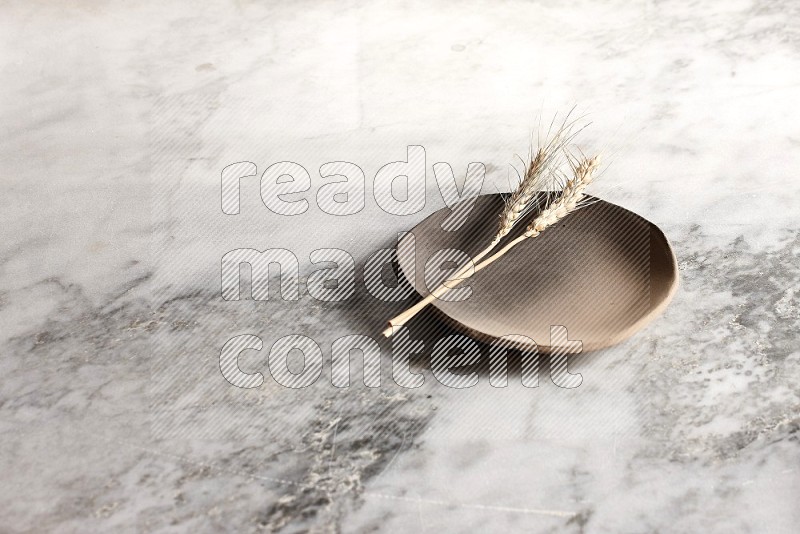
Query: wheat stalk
point(518, 205)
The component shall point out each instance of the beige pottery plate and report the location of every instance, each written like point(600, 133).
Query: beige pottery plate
point(603, 272)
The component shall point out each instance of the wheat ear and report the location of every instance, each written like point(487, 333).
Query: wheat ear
point(520, 200)
point(569, 198)
point(567, 202)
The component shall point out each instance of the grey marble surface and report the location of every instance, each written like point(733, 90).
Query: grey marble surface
point(117, 120)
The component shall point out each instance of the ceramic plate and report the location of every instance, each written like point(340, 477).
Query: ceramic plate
point(603, 272)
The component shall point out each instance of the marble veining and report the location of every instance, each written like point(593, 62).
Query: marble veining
point(118, 119)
